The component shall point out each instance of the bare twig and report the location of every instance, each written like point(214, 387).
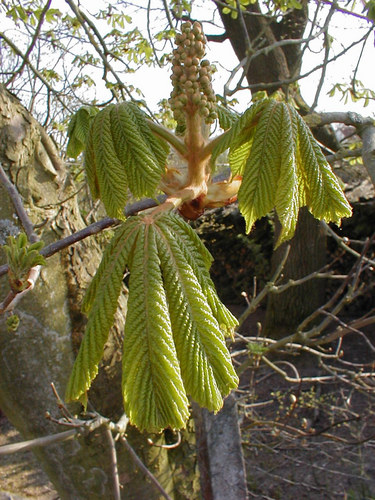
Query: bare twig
point(114, 468)
point(34, 443)
point(25, 58)
point(258, 299)
point(143, 468)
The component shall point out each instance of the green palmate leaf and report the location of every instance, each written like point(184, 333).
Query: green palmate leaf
point(200, 259)
point(174, 339)
point(226, 117)
point(154, 394)
point(106, 171)
point(205, 363)
point(288, 198)
point(283, 168)
point(256, 196)
point(322, 193)
point(143, 155)
point(78, 130)
point(123, 154)
point(102, 298)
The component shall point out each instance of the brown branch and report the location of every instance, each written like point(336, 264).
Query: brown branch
point(34, 70)
point(18, 205)
point(94, 228)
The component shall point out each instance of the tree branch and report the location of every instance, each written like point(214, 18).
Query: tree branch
point(25, 58)
point(34, 443)
point(18, 205)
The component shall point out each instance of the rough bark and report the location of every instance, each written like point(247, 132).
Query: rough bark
point(40, 351)
point(308, 249)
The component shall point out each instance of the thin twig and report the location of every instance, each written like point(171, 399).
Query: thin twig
point(257, 300)
point(34, 443)
point(143, 468)
point(114, 468)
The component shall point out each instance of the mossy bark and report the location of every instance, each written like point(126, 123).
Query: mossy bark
point(41, 350)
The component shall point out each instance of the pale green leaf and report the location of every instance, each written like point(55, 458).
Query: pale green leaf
point(141, 154)
point(239, 131)
point(205, 363)
point(287, 200)
point(110, 173)
point(256, 196)
point(322, 192)
point(103, 299)
point(154, 394)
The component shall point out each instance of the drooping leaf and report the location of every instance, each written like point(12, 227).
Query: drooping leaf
point(288, 197)
point(107, 171)
point(102, 299)
point(141, 153)
point(283, 168)
point(78, 130)
point(154, 394)
point(205, 363)
point(322, 192)
point(123, 154)
point(174, 339)
point(226, 117)
point(256, 197)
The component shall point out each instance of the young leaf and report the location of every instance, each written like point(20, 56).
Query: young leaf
point(226, 117)
point(256, 196)
point(141, 153)
point(154, 394)
point(102, 299)
point(78, 130)
point(321, 190)
point(174, 339)
point(283, 168)
point(105, 170)
point(21, 257)
point(205, 363)
point(122, 153)
point(239, 130)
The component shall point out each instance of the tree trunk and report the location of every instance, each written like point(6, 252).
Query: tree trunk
point(40, 351)
point(307, 254)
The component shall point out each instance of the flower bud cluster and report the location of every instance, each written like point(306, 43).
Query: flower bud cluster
point(191, 76)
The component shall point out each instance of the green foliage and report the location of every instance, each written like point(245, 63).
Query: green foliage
point(12, 323)
point(370, 7)
point(244, 126)
point(282, 168)
point(174, 339)
point(123, 154)
point(21, 257)
point(232, 7)
point(226, 117)
point(356, 91)
point(78, 130)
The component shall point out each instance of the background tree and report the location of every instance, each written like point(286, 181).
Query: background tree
point(62, 86)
